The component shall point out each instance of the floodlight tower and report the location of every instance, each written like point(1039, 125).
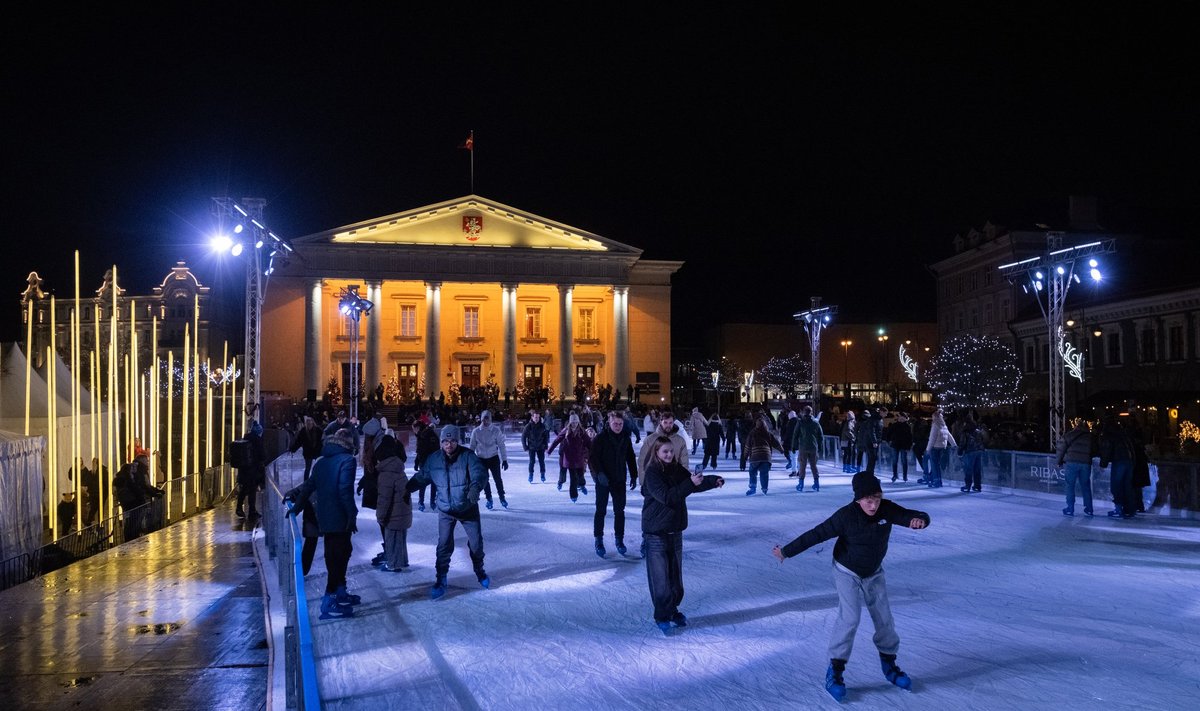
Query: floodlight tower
point(815, 319)
point(352, 305)
point(250, 233)
point(1052, 275)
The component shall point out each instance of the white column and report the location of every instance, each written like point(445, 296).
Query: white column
point(312, 337)
point(566, 364)
point(508, 380)
point(433, 339)
point(374, 294)
point(620, 374)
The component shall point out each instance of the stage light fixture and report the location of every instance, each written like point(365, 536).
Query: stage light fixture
point(1096, 274)
point(221, 243)
point(237, 249)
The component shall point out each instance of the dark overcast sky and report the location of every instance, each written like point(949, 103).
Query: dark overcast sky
point(779, 156)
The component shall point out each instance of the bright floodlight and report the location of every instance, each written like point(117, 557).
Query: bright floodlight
point(238, 229)
point(1093, 263)
point(1060, 270)
point(1039, 275)
point(221, 243)
point(1096, 274)
point(258, 244)
point(237, 249)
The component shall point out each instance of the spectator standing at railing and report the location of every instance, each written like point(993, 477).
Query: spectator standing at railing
point(971, 443)
point(1075, 452)
point(940, 440)
point(252, 475)
point(846, 437)
point(308, 442)
point(132, 494)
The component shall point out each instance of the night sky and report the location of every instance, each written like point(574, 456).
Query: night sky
point(780, 157)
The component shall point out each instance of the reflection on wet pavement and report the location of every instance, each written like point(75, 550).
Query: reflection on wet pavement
point(172, 620)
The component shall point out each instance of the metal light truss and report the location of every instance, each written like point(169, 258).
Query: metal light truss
point(1053, 273)
point(815, 320)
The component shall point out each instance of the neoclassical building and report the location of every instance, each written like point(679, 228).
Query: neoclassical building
point(463, 291)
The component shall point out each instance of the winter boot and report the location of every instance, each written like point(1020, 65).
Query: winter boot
point(344, 597)
point(800, 486)
point(600, 546)
point(621, 546)
point(1116, 512)
point(485, 581)
point(893, 672)
point(330, 608)
point(834, 684)
point(531, 477)
point(504, 502)
point(1068, 511)
point(489, 504)
point(438, 589)
point(679, 619)
point(583, 490)
point(816, 486)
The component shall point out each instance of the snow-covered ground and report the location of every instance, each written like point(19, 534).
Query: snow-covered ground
point(1002, 603)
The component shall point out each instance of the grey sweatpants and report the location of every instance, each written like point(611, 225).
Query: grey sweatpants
point(853, 591)
point(395, 547)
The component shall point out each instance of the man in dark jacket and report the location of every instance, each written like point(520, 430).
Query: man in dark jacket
point(900, 436)
point(1116, 449)
point(308, 443)
point(253, 475)
point(427, 444)
point(460, 478)
point(534, 439)
point(332, 485)
point(611, 456)
point(132, 493)
point(806, 441)
point(862, 529)
point(867, 434)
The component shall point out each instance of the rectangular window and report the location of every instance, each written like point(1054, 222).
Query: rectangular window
point(1113, 352)
point(587, 324)
point(470, 322)
point(1149, 352)
point(408, 320)
point(586, 375)
point(1175, 342)
point(471, 374)
point(533, 376)
point(1030, 363)
point(533, 322)
point(406, 376)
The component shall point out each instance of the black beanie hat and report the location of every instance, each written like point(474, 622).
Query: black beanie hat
point(865, 484)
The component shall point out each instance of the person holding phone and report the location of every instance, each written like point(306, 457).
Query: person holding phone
point(666, 484)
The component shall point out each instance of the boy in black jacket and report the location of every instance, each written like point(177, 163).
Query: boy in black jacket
point(862, 529)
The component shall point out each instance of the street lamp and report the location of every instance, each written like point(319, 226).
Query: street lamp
point(716, 379)
point(883, 339)
point(352, 305)
point(846, 365)
point(1052, 274)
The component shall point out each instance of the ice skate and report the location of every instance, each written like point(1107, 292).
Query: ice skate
point(893, 673)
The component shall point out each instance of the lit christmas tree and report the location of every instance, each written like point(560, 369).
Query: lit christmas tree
point(975, 372)
point(784, 376)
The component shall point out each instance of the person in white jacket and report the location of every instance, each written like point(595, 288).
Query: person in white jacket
point(487, 441)
point(940, 440)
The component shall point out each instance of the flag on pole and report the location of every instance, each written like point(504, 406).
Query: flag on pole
point(469, 144)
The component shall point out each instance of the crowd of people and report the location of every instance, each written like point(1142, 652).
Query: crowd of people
point(459, 461)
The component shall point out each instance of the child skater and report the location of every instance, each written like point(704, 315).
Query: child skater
point(666, 484)
point(862, 528)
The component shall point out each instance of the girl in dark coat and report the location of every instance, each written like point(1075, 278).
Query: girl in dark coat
point(394, 507)
point(666, 484)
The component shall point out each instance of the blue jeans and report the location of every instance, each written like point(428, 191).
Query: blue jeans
point(759, 472)
point(664, 572)
point(972, 463)
point(935, 467)
point(1079, 472)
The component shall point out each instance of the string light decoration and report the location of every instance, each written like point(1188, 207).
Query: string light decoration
point(1189, 436)
point(1072, 358)
point(909, 365)
point(975, 372)
point(785, 374)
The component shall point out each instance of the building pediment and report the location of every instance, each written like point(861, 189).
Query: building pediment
point(469, 222)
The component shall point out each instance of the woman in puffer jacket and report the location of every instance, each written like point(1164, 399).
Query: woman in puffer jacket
point(940, 440)
point(576, 448)
point(394, 507)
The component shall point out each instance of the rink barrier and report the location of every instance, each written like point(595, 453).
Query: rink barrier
point(284, 540)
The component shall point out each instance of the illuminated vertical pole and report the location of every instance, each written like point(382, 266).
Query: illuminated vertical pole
point(28, 359)
point(183, 429)
point(155, 397)
point(170, 413)
point(196, 390)
point(113, 393)
point(208, 418)
point(134, 376)
point(224, 395)
point(52, 479)
point(93, 430)
point(76, 442)
point(233, 414)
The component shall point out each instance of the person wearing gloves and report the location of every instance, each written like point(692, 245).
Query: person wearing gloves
point(487, 441)
point(862, 528)
point(666, 484)
point(394, 507)
point(332, 485)
point(460, 477)
point(611, 456)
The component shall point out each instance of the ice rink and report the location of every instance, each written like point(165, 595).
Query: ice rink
point(1002, 603)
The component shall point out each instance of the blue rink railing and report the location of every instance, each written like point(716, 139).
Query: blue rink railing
point(284, 540)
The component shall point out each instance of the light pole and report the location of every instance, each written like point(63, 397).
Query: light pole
point(716, 380)
point(355, 307)
point(883, 339)
point(846, 365)
point(1052, 274)
point(815, 320)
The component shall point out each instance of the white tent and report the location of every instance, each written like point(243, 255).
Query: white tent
point(20, 494)
point(12, 409)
